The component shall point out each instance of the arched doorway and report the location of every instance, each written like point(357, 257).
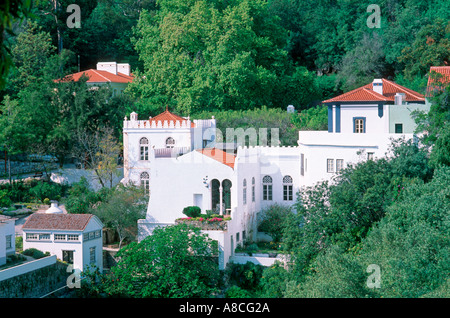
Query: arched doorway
point(221, 193)
point(226, 195)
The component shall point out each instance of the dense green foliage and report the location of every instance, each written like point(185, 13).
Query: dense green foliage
point(392, 212)
point(175, 261)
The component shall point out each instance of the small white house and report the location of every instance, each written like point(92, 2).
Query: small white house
point(7, 238)
point(73, 238)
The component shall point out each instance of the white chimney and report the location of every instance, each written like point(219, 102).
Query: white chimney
point(54, 209)
point(399, 98)
point(123, 68)
point(133, 116)
point(377, 86)
point(107, 66)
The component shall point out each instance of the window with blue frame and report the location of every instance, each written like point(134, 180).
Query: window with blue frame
point(359, 125)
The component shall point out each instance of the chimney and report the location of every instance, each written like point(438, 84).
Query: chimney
point(123, 68)
point(133, 116)
point(377, 86)
point(107, 66)
point(399, 98)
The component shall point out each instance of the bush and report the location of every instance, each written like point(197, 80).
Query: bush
point(50, 190)
point(272, 220)
point(192, 211)
point(237, 292)
point(5, 201)
point(35, 253)
point(47, 201)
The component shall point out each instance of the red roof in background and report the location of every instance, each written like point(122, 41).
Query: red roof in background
point(98, 76)
point(42, 221)
point(219, 155)
point(443, 80)
point(367, 94)
point(170, 117)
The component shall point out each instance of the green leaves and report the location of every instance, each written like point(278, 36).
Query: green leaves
point(216, 55)
point(175, 261)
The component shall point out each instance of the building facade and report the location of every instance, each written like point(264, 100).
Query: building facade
point(7, 238)
point(177, 160)
point(73, 238)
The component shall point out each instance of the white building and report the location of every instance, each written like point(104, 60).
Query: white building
point(175, 159)
point(73, 238)
point(361, 125)
point(7, 238)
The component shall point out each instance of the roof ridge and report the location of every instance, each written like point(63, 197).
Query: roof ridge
point(410, 91)
point(95, 71)
point(372, 92)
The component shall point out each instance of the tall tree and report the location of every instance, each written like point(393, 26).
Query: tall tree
point(214, 55)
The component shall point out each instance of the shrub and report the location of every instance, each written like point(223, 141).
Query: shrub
point(192, 211)
point(5, 201)
point(237, 292)
point(272, 220)
point(35, 253)
point(47, 201)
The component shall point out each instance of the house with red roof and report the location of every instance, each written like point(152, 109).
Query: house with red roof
point(361, 126)
point(438, 78)
point(117, 75)
point(179, 162)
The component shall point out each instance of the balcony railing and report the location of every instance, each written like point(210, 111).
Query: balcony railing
point(171, 152)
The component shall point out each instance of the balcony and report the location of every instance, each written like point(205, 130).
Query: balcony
point(171, 152)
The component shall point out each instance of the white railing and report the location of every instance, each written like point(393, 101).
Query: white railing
point(170, 152)
point(145, 124)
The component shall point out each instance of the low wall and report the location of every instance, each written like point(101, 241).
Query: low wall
point(27, 267)
point(259, 259)
point(35, 280)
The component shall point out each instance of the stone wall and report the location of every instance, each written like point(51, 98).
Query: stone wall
point(18, 167)
point(35, 284)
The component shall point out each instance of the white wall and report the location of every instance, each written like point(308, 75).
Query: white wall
point(80, 247)
point(374, 124)
point(174, 181)
point(6, 228)
point(318, 146)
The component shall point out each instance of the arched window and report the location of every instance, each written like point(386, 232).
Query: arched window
point(267, 188)
point(287, 188)
point(143, 146)
point(145, 181)
point(170, 142)
point(244, 191)
point(253, 189)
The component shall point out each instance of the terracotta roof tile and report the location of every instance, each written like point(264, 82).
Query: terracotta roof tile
point(99, 76)
point(219, 155)
point(72, 222)
point(367, 94)
point(170, 117)
point(443, 79)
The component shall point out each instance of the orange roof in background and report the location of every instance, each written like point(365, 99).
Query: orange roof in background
point(219, 155)
point(445, 79)
point(98, 76)
point(170, 117)
point(367, 94)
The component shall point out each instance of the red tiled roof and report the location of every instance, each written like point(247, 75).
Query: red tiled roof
point(99, 76)
point(219, 155)
point(170, 117)
point(443, 79)
point(367, 94)
point(71, 222)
